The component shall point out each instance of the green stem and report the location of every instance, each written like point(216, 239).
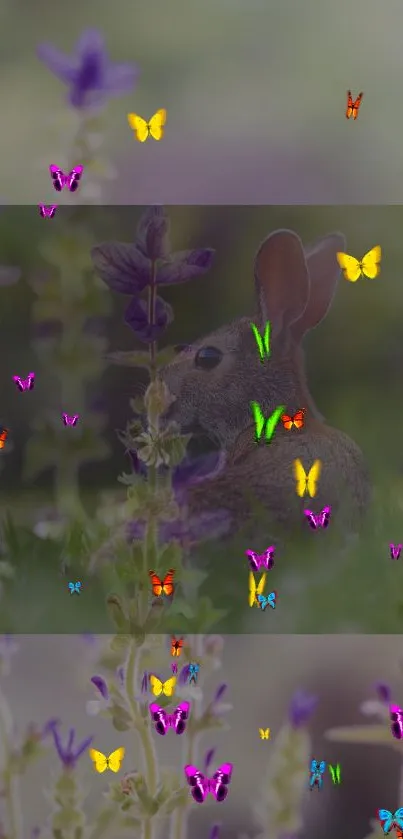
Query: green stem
point(150, 757)
point(152, 302)
point(11, 793)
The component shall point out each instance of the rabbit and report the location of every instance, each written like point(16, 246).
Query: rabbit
point(213, 392)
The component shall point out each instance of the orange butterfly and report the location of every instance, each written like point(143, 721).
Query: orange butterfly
point(3, 436)
point(353, 107)
point(176, 646)
point(165, 586)
point(297, 420)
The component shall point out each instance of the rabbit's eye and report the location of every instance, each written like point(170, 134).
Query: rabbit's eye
point(208, 357)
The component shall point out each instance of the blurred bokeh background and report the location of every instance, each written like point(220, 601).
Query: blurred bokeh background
point(255, 93)
point(354, 359)
point(50, 678)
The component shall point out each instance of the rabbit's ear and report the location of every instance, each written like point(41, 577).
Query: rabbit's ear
point(282, 280)
point(324, 275)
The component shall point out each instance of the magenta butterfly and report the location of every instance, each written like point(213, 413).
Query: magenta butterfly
point(60, 180)
point(164, 721)
point(47, 210)
point(70, 420)
point(396, 718)
point(395, 551)
point(202, 786)
point(25, 384)
point(264, 560)
point(321, 519)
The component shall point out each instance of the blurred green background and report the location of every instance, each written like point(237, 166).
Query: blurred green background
point(354, 361)
point(255, 93)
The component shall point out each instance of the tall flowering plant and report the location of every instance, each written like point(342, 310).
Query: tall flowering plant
point(70, 303)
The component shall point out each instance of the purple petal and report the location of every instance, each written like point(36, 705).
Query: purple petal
point(152, 236)
point(49, 727)
point(215, 831)
point(70, 741)
point(62, 66)
point(122, 267)
point(208, 757)
point(83, 747)
point(301, 708)
point(384, 692)
point(191, 531)
point(135, 530)
point(101, 686)
point(185, 265)
point(121, 78)
point(220, 692)
point(91, 41)
point(184, 675)
point(54, 729)
point(137, 318)
point(193, 471)
point(174, 668)
point(121, 675)
point(144, 682)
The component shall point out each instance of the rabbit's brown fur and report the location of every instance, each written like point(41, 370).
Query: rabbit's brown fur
point(294, 290)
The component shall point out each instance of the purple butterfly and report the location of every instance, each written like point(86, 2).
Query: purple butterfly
point(47, 210)
point(164, 721)
point(70, 420)
point(395, 551)
point(396, 718)
point(322, 519)
point(264, 560)
point(201, 786)
point(25, 384)
point(60, 180)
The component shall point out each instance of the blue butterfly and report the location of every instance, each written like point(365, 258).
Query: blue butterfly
point(391, 819)
point(270, 600)
point(193, 672)
point(317, 770)
point(75, 587)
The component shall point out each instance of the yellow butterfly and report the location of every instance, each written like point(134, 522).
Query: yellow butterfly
point(154, 127)
point(307, 482)
point(264, 733)
point(254, 589)
point(102, 762)
point(158, 687)
point(369, 266)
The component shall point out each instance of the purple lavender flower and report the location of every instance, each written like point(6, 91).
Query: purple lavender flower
point(215, 831)
point(208, 758)
point(302, 706)
point(101, 686)
point(188, 531)
point(383, 691)
point(69, 753)
point(136, 317)
point(184, 675)
point(89, 74)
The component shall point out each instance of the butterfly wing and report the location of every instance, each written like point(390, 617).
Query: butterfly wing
point(287, 421)
point(268, 558)
point(139, 126)
point(3, 437)
point(168, 687)
point(261, 584)
point(159, 718)
point(58, 177)
point(325, 517)
point(263, 601)
point(115, 759)
point(197, 782)
point(386, 817)
point(349, 108)
point(74, 177)
point(253, 559)
point(156, 124)
point(356, 105)
point(371, 262)
point(99, 760)
point(271, 599)
point(252, 589)
point(300, 478)
point(220, 781)
point(396, 718)
point(313, 478)
point(180, 717)
point(156, 583)
point(19, 383)
point(176, 646)
point(156, 685)
point(299, 419)
point(311, 518)
point(168, 585)
point(350, 266)
point(398, 817)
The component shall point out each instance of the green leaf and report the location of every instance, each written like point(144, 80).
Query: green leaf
point(117, 615)
point(170, 557)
